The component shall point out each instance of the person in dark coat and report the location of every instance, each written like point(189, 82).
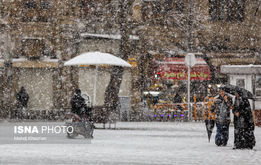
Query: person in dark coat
point(178, 99)
point(78, 104)
point(222, 105)
point(22, 98)
point(244, 137)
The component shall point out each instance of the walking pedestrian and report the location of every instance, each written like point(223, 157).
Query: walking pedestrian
point(244, 126)
point(221, 107)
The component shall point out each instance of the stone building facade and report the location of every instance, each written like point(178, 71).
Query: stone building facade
point(37, 37)
point(220, 32)
point(227, 32)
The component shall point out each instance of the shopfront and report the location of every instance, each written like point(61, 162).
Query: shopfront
point(170, 81)
point(171, 75)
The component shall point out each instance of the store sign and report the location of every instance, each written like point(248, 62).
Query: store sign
point(183, 75)
point(175, 69)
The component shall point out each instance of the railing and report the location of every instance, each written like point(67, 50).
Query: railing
point(38, 114)
point(159, 112)
point(168, 112)
point(179, 111)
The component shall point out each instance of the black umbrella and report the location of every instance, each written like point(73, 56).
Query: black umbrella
point(232, 89)
point(209, 120)
point(209, 126)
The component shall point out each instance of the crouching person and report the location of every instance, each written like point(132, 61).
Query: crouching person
point(222, 105)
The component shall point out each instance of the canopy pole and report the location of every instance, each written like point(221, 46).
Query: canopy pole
point(95, 85)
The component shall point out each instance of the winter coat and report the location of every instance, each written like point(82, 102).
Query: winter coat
point(222, 109)
point(244, 124)
point(177, 99)
point(245, 119)
point(22, 97)
point(78, 105)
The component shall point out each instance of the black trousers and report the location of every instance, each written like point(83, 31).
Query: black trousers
point(244, 138)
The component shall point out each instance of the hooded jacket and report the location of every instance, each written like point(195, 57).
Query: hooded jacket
point(222, 109)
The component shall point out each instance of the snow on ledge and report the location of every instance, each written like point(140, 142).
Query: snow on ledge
point(109, 36)
point(24, 62)
point(241, 69)
point(242, 66)
point(22, 59)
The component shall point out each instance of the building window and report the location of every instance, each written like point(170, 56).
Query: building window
point(44, 12)
point(216, 9)
point(146, 10)
point(228, 10)
point(258, 85)
point(32, 48)
point(83, 4)
point(44, 4)
point(30, 4)
point(235, 10)
point(179, 6)
point(36, 11)
point(168, 5)
point(240, 83)
point(156, 8)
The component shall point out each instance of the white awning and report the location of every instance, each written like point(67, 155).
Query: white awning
point(241, 69)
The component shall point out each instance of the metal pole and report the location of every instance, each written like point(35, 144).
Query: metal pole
point(189, 109)
point(95, 84)
point(191, 26)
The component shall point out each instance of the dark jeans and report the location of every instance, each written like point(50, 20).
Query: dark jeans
point(222, 134)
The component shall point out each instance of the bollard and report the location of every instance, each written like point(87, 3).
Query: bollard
point(185, 118)
point(175, 115)
point(182, 116)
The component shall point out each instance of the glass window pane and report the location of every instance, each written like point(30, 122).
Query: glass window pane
point(240, 83)
point(258, 81)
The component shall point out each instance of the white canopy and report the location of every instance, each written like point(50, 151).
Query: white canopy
point(97, 58)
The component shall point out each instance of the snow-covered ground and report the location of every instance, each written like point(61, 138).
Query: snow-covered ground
point(135, 143)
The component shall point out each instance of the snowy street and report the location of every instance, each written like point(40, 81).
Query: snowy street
point(133, 143)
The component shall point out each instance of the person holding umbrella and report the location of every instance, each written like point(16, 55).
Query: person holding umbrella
point(244, 137)
point(243, 119)
point(222, 105)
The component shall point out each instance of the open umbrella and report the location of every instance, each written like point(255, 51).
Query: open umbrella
point(96, 58)
point(232, 89)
